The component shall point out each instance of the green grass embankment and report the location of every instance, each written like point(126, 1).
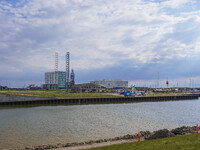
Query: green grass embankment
point(184, 142)
point(167, 94)
point(62, 94)
point(59, 94)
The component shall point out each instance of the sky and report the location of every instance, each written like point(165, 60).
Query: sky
point(134, 40)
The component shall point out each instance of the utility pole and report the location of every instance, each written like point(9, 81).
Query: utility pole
point(158, 79)
point(167, 82)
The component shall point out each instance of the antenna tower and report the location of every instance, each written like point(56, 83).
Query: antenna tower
point(67, 69)
point(56, 61)
point(72, 78)
point(56, 68)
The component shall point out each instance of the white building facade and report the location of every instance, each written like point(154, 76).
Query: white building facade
point(56, 78)
point(112, 84)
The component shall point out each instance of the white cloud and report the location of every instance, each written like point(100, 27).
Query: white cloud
point(98, 33)
point(175, 3)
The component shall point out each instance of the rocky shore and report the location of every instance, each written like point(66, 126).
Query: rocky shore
point(146, 135)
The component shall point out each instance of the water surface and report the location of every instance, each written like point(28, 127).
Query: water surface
point(21, 127)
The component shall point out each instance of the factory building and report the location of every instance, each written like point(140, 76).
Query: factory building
point(59, 79)
point(55, 80)
point(112, 84)
point(87, 88)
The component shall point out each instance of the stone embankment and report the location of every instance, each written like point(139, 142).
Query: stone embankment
point(146, 135)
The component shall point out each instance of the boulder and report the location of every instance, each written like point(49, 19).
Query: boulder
point(183, 130)
point(145, 134)
point(160, 134)
point(128, 136)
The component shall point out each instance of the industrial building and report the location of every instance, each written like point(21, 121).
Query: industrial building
point(59, 79)
point(55, 80)
point(112, 84)
point(3, 87)
point(87, 88)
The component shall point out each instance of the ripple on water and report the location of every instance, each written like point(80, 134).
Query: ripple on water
point(20, 127)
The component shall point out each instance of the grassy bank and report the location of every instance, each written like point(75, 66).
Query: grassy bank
point(64, 94)
point(59, 94)
point(167, 94)
point(184, 142)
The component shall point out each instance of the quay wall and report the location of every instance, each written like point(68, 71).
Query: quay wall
point(83, 101)
point(13, 98)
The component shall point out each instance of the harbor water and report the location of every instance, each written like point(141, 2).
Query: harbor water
point(32, 126)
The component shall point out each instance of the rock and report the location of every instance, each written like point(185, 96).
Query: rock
point(105, 140)
point(48, 146)
point(183, 130)
point(101, 140)
point(29, 148)
point(89, 142)
point(135, 136)
point(117, 138)
point(160, 134)
point(39, 148)
point(66, 145)
point(145, 134)
point(128, 136)
point(73, 144)
point(113, 139)
point(59, 145)
point(98, 141)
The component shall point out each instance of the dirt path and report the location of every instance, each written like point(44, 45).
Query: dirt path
point(97, 145)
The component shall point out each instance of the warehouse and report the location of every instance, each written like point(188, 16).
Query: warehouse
point(112, 84)
point(87, 87)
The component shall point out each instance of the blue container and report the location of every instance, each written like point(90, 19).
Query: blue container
point(127, 94)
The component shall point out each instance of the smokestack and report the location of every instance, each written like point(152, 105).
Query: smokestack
point(67, 69)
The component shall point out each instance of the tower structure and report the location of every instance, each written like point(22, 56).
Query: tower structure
point(56, 66)
point(167, 83)
point(67, 70)
point(72, 78)
point(56, 79)
point(56, 61)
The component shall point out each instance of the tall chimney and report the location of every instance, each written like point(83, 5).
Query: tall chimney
point(67, 69)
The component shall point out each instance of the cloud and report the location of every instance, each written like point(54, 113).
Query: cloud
point(176, 3)
point(100, 35)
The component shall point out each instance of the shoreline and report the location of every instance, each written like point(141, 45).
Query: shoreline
point(145, 135)
point(85, 101)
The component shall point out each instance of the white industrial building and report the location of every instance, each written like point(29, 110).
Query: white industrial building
point(56, 79)
point(112, 84)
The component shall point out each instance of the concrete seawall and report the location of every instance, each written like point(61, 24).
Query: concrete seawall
point(83, 101)
point(14, 98)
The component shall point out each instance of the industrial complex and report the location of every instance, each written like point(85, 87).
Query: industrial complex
point(64, 80)
point(59, 79)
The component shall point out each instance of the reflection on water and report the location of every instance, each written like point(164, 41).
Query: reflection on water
point(21, 127)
